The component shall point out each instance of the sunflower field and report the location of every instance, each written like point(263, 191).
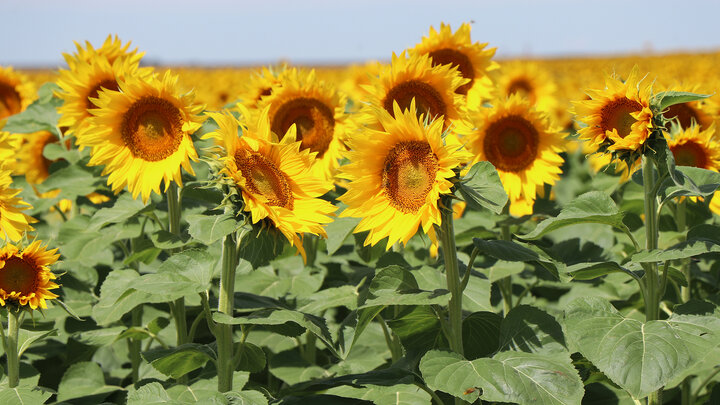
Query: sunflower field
point(441, 228)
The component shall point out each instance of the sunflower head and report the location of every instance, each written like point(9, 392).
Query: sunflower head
point(433, 89)
point(9, 146)
point(273, 177)
point(619, 118)
point(523, 146)
point(696, 147)
point(315, 109)
point(111, 49)
point(25, 276)
point(472, 60)
point(16, 92)
point(262, 83)
point(530, 81)
point(142, 134)
point(397, 174)
point(82, 83)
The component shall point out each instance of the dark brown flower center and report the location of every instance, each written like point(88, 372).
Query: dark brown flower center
point(10, 101)
point(427, 100)
point(690, 154)
point(523, 88)
point(511, 143)
point(18, 275)
point(152, 128)
point(616, 115)
point(409, 175)
point(263, 177)
point(110, 84)
point(683, 113)
point(453, 57)
point(315, 123)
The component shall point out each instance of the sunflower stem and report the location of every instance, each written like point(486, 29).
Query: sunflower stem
point(452, 274)
point(134, 346)
point(11, 351)
point(174, 211)
point(652, 285)
point(224, 332)
point(681, 219)
point(506, 282)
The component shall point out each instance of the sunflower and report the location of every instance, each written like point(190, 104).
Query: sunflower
point(81, 84)
point(16, 92)
point(397, 174)
point(354, 80)
point(261, 84)
point(522, 145)
point(696, 147)
point(318, 112)
point(111, 49)
point(9, 146)
point(25, 278)
point(13, 222)
point(142, 134)
point(618, 118)
point(275, 178)
point(434, 89)
point(530, 81)
point(472, 60)
point(687, 114)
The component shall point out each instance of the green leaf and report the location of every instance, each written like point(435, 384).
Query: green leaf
point(333, 297)
point(118, 296)
point(507, 377)
point(593, 207)
point(41, 115)
point(84, 379)
point(529, 329)
point(125, 207)
point(419, 329)
point(502, 269)
point(693, 182)
point(590, 271)
point(682, 250)
point(260, 246)
point(150, 394)
point(208, 228)
point(481, 334)
point(337, 231)
point(195, 265)
point(665, 99)
point(26, 338)
point(23, 396)
point(246, 398)
point(72, 181)
point(165, 240)
point(290, 367)
point(476, 296)
point(481, 187)
point(252, 358)
point(353, 326)
point(269, 317)
point(639, 356)
point(506, 250)
point(398, 394)
point(178, 361)
point(395, 285)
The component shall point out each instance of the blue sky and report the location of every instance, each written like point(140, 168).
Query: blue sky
point(225, 32)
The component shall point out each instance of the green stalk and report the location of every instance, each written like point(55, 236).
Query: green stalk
point(11, 349)
point(452, 274)
point(134, 346)
point(652, 285)
point(224, 332)
point(505, 284)
point(178, 307)
point(681, 220)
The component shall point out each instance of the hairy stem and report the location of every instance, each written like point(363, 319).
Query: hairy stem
point(224, 332)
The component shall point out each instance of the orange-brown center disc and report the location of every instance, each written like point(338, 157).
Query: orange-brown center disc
point(690, 154)
point(10, 101)
point(427, 100)
point(152, 128)
point(18, 275)
point(453, 57)
point(523, 88)
point(313, 119)
point(511, 143)
point(264, 178)
point(263, 92)
point(684, 114)
point(616, 115)
point(409, 175)
point(110, 84)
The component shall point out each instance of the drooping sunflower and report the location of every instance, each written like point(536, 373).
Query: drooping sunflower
point(618, 118)
point(434, 89)
point(13, 222)
point(142, 134)
point(472, 60)
point(316, 109)
point(81, 84)
point(397, 174)
point(522, 144)
point(275, 178)
point(16, 92)
point(25, 276)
